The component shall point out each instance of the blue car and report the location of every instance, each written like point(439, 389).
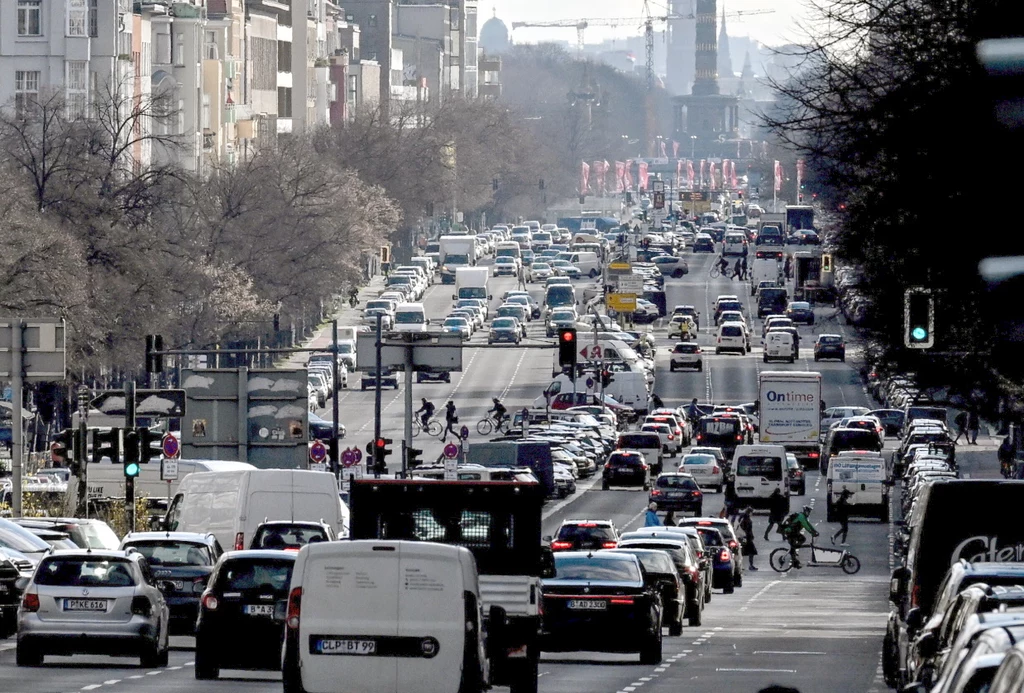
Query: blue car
point(723, 573)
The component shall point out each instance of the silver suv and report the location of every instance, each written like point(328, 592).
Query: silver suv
point(93, 602)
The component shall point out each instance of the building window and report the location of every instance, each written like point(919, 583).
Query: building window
point(77, 18)
point(30, 18)
point(26, 89)
point(94, 18)
point(76, 86)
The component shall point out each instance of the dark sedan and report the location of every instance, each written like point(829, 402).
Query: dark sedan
point(504, 330)
point(830, 346)
point(625, 468)
point(599, 602)
point(678, 492)
point(241, 615)
point(800, 311)
point(662, 576)
point(678, 548)
point(722, 571)
point(892, 420)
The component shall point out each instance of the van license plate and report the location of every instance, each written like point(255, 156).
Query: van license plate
point(344, 646)
point(85, 605)
point(588, 604)
point(258, 609)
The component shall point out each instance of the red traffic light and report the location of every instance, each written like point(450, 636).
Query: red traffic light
point(568, 336)
point(380, 442)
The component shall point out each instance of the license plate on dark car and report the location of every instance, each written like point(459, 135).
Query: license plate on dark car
point(588, 604)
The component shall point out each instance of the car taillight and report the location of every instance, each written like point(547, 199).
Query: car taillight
point(671, 437)
point(30, 602)
point(294, 608)
point(209, 602)
point(700, 554)
point(609, 544)
point(733, 544)
point(715, 469)
point(643, 467)
point(622, 600)
point(561, 545)
point(719, 340)
point(812, 454)
point(739, 437)
point(798, 472)
point(692, 572)
point(607, 465)
point(724, 555)
point(240, 541)
point(697, 494)
point(141, 606)
point(655, 492)
point(700, 436)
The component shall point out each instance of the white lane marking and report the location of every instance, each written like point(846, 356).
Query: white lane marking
point(581, 488)
point(633, 519)
point(514, 374)
point(153, 673)
point(136, 676)
point(762, 671)
point(111, 682)
point(465, 371)
point(92, 687)
point(787, 652)
point(174, 668)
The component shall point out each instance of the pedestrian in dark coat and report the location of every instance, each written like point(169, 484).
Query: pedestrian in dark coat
point(778, 506)
point(747, 535)
point(841, 511)
point(973, 425)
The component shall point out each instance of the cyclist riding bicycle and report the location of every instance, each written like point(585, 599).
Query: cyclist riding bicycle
point(427, 411)
point(723, 264)
point(792, 531)
point(693, 412)
point(499, 411)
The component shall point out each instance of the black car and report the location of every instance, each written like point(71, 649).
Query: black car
point(184, 562)
point(771, 301)
point(290, 535)
point(662, 576)
point(584, 535)
point(387, 379)
point(731, 540)
point(601, 602)
point(892, 420)
point(241, 617)
point(800, 311)
point(625, 468)
point(722, 571)
point(678, 492)
point(12, 583)
point(678, 549)
point(830, 346)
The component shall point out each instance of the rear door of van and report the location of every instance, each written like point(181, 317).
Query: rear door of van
point(431, 613)
point(350, 615)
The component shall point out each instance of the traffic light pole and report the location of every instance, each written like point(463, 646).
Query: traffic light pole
point(17, 419)
point(129, 481)
point(335, 443)
point(377, 389)
point(408, 404)
point(82, 453)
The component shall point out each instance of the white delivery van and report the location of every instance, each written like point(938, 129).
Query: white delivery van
point(386, 617)
point(106, 478)
point(779, 345)
point(734, 243)
point(864, 473)
point(410, 317)
point(759, 470)
point(647, 444)
point(232, 504)
point(628, 388)
point(587, 262)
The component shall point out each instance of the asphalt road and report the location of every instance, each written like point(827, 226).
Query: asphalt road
point(816, 629)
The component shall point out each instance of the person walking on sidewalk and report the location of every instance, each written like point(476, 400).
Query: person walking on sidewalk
point(778, 506)
point(747, 535)
point(973, 425)
point(841, 511)
point(961, 427)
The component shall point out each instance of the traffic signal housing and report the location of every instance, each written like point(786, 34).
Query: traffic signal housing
point(918, 318)
point(606, 378)
point(567, 348)
point(106, 444)
point(380, 454)
point(413, 458)
point(150, 445)
point(64, 446)
point(154, 357)
point(131, 453)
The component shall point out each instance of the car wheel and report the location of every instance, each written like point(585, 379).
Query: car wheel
point(593, 273)
point(729, 588)
point(206, 667)
point(604, 485)
point(765, 358)
point(676, 629)
point(677, 274)
point(696, 615)
point(651, 653)
point(815, 359)
point(671, 368)
point(154, 658)
point(700, 511)
point(700, 366)
point(26, 656)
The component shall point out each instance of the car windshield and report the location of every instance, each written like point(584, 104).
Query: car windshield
point(15, 537)
point(455, 322)
point(652, 561)
point(586, 531)
point(409, 318)
point(540, 266)
point(594, 568)
point(699, 459)
point(563, 315)
point(166, 552)
point(345, 348)
point(287, 536)
point(828, 339)
point(504, 324)
point(800, 306)
point(250, 574)
point(684, 349)
point(672, 481)
point(84, 572)
point(711, 537)
point(732, 331)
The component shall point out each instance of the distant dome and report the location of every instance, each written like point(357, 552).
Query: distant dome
point(494, 36)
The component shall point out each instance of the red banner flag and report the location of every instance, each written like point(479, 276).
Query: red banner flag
point(641, 174)
point(675, 149)
point(778, 175)
point(732, 174)
point(679, 173)
point(620, 176)
point(584, 178)
point(711, 175)
point(703, 173)
point(598, 168)
point(628, 177)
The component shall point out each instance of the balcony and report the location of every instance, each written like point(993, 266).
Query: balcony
point(489, 64)
point(490, 90)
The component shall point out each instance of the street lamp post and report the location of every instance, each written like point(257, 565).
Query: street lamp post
point(693, 145)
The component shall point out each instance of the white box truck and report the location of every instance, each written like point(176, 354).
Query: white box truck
point(471, 282)
point(456, 251)
point(789, 408)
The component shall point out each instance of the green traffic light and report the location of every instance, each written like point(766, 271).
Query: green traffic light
point(131, 469)
point(919, 334)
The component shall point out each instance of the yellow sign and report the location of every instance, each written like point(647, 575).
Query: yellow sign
point(620, 268)
point(623, 303)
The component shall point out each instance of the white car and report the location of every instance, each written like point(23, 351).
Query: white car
point(505, 265)
point(686, 355)
point(675, 327)
point(705, 469)
point(670, 442)
point(457, 325)
point(732, 336)
point(539, 272)
point(835, 414)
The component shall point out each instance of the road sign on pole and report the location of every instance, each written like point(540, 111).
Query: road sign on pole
point(169, 446)
point(317, 452)
point(464, 433)
point(168, 470)
point(451, 450)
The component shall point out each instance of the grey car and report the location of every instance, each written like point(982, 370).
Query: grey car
point(93, 602)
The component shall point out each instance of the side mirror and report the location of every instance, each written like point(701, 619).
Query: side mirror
point(927, 645)
point(547, 563)
point(548, 538)
point(454, 297)
point(915, 619)
point(898, 585)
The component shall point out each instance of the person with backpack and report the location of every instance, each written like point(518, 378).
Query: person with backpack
point(793, 531)
point(778, 506)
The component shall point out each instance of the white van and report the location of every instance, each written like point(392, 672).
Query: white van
point(759, 470)
point(647, 444)
point(410, 317)
point(106, 478)
point(587, 262)
point(779, 345)
point(734, 243)
point(385, 616)
point(864, 473)
point(628, 388)
point(731, 337)
point(232, 504)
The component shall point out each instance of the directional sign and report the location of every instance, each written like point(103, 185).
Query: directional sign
point(623, 303)
point(317, 452)
point(630, 284)
point(464, 433)
point(169, 445)
point(618, 268)
point(451, 450)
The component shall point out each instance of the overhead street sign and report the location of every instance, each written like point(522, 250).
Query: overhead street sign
point(620, 268)
point(623, 303)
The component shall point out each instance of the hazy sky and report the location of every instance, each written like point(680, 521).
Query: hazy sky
point(773, 29)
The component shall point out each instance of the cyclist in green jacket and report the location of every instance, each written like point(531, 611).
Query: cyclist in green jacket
point(792, 530)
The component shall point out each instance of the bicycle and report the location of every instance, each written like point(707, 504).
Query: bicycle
point(715, 272)
point(488, 424)
point(433, 427)
point(781, 560)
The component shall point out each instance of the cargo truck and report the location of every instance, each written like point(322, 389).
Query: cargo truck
point(500, 523)
point(471, 282)
point(789, 409)
point(456, 251)
point(799, 217)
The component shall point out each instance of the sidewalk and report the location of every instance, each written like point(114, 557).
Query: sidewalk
point(321, 339)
